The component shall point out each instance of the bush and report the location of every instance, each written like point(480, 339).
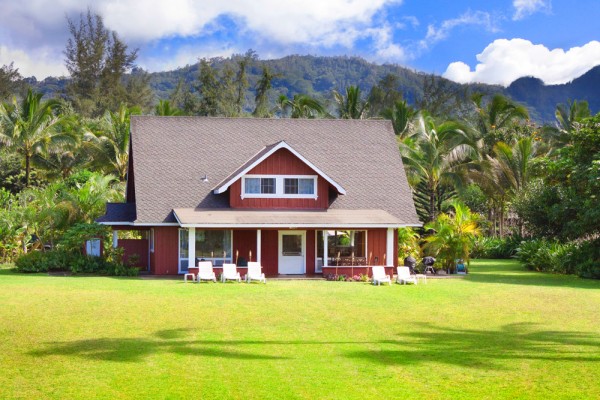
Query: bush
point(61, 260)
point(548, 256)
point(496, 247)
point(585, 258)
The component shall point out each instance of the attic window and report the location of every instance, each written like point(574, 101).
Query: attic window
point(279, 186)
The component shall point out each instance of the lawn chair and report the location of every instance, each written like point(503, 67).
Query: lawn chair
point(380, 277)
point(230, 273)
point(205, 272)
point(404, 276)
point(254, 273)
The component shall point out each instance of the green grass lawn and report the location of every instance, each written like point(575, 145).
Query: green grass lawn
point(501, 332)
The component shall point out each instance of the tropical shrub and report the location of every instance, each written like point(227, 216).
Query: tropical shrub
point(62, 260)
point(496, 247)
point(453, 235)
point(408, 243)
point(547, 255)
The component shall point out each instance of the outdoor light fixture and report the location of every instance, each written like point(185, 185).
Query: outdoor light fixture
point(205, 178)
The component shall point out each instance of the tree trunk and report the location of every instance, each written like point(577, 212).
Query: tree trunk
point(27, 169)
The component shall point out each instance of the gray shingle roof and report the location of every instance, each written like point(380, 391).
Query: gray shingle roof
point(118, 212)
point(173, 154)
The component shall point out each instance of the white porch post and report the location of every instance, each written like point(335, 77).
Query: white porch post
point(389, 248)
point(325, 249)
point(115, 237)
point(258, 245)
point(191, 247)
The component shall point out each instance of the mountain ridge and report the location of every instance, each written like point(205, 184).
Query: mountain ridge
point(318, 76)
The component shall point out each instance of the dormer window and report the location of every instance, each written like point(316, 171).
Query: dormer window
point(279, 186)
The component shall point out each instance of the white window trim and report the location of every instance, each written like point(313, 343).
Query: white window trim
point(279, 187)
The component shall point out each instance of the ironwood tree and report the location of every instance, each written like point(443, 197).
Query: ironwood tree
point(97, 61)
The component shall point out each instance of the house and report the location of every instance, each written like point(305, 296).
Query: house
point(300, 196)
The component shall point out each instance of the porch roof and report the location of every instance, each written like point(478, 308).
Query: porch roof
point(331, 218)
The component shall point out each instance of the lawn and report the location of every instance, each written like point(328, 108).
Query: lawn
point(501, 332)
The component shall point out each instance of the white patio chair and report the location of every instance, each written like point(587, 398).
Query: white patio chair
point(380, 277)
point(404, 276)
point(230, 273)
point(205, 272)
point(254, 273)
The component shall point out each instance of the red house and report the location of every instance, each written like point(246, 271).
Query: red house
point(300, 196)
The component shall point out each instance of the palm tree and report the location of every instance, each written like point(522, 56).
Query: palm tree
point(110, 146)
point(33, 127)
point(164, 109)
point(505, 173)
point(494, 120)
point(301, 106)
point(401, 116)
point(351, 106)
point(454, 235)
point(567, 117)
point(433, 156)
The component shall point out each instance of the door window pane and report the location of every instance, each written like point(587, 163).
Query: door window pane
point(291, 245)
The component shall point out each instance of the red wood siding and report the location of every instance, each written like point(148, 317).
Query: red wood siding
point(244, 242)
point(310, 251)
point(166, 251)
point(135, 246)
point(376, 246)
point(282, 162)
point(348, 271)
point(269, 251)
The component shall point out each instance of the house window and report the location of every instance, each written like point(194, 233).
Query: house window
point(299, 186)
point(304, 186)
point(151, 244)
point(183, 250)
point(213, 245)
point(259, 185)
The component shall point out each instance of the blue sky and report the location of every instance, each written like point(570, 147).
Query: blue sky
point(486, 41)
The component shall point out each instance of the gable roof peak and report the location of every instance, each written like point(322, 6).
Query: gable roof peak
point(263, 154)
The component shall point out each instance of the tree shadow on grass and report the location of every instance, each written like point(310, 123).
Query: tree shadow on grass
point(486, 349)
point(516, 274)
point(172, 341)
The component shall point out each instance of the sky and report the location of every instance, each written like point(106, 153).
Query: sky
point(490, 41)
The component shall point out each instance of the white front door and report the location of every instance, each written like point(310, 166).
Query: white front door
point(292, 252)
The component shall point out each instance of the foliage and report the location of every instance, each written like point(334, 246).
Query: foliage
point(496, 247)
point(433, 156)
point(96, 60)
point(350, 106)
point(32, 127)
point(580, 258)
point(9, 77)
point(408, 243)
point(108, 141)
point(565, 203)
point(453, 235)
point(63, 260)
point(75, 237)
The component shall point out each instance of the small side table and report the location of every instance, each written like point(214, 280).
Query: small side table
point(422, 277)
point(189, 274)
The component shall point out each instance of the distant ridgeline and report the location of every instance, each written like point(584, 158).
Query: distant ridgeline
point(319, 76)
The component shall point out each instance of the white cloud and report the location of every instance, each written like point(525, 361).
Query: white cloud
point(437, 34)
point(307, 24)
point(40, 63)
point(525, 8)
point(503, 61)
point(291, 21)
